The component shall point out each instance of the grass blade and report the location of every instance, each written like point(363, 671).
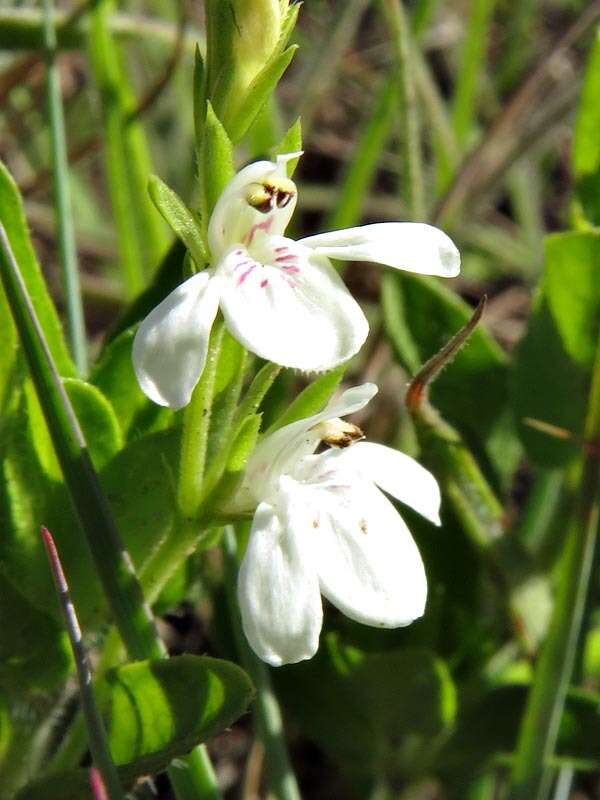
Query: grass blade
point(66, 234)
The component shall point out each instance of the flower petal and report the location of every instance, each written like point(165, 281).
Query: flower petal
point(235, 221)
point(278, 588)
point(280, 451)
point(397, 474)
point(368, 563)
point(411, 246)
point(297, 313)
point(169, 349)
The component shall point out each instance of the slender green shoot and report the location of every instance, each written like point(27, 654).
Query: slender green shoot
point(395, 17)
point(66, 233)
point(280, 775)
point(95, 727)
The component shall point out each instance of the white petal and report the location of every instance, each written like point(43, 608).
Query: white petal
point(278, 452)
point(235, 221)
point(397, 474)
point(368, 563)
point(278, 588)
point(297, 313)
point(411, 246)
point(169, 349)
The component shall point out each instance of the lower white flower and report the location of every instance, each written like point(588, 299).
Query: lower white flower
point(282, 299)
point(322, 527)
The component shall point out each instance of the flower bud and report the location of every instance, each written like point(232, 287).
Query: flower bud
point(242, 36)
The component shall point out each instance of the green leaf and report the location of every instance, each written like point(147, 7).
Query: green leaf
point(97, 419)
point(553, 360)
point(290, 143)
point(175, 212)
point(156, 711)
point(258, 93)
point(34, 648)
point(217, 167)
point(113, 374)
point(571, 285)
point(586, 142)
point(312, 399)
point(139, 483)
point(377, 714)
point(12, 217)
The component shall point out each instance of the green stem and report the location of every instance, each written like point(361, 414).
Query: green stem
point(95, 727)
point(281, 778)
point(397, 21)
point(66, 234)
point(192, 464)
point(531, 776)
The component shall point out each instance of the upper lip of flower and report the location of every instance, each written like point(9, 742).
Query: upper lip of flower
point(282, 299)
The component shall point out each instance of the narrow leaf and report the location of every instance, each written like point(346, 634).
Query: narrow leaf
point(175, 212)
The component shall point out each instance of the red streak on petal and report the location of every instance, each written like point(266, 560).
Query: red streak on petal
point(243, 264)
point(264, 283)
point(290, 257)
point(259, 226)
point(283, 249)
point(290, 268)
point(243, 277)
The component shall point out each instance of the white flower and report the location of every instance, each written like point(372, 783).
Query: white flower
point(322, 527)
point(282, 299)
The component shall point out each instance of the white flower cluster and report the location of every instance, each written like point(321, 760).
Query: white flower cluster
point(321, 525)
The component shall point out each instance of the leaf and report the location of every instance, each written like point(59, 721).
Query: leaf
point(312, 399)
point(113, 374)
point(259, 91)
point(586, 142)
point(139, 483)
point(156, 711)
point(216, 162)
point(34, 648)
point(12, 217)
point(374, 713)
point(290, 143)
point(571, 285)
point(553, 360)
point(175, 212)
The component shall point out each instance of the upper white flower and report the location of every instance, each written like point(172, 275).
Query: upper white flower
point(323, 527)
point(281, 298)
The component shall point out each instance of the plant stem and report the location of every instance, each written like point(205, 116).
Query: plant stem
point(281, 778)
point(66, 234)
point(531, 776)
point(195, 432)
point(94, 724)
point(397, 21)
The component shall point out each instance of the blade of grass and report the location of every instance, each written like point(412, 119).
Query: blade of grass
point(66, 234)
point(395, 17)
point(141, 238)
point(95, 727)
point(471, 68)
point(280, 775)
point(531, 775)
